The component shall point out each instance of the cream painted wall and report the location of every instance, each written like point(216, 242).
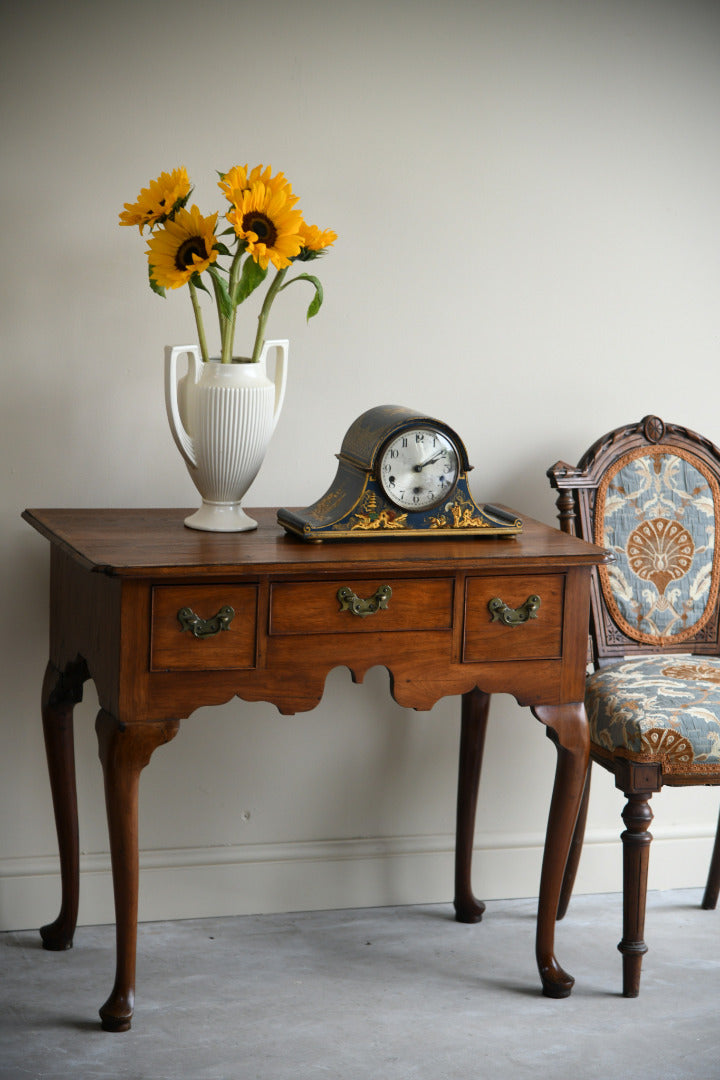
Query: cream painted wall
point(526, 197)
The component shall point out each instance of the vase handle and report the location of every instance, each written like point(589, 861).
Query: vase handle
point(182, 439)
point(280, 377)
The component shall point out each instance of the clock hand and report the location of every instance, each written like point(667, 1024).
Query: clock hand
point(429, 461)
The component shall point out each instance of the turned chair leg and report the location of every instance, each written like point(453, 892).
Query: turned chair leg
point(710, 899)
point(636, 839)
point(576, 847)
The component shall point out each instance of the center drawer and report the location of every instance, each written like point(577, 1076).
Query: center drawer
point(305, 607)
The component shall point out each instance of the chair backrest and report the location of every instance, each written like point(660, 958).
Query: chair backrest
point(650, 494)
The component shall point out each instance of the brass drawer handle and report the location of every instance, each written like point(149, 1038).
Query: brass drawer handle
point(514, 616)
point(350, 602)
point(202, 628)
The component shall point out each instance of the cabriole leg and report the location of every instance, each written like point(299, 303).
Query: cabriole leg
point(125, 750)
point(60, 693)
point(475, 706)
point(576, 847)
point(567, 726)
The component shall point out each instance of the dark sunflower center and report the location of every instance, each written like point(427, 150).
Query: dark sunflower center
point(194, 245)
point(261, 225)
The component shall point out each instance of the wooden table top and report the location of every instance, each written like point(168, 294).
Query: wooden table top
point(156, 543)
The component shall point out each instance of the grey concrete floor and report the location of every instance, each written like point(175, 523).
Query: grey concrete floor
point(374, 994)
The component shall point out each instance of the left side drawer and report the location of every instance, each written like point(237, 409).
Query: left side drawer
point(174, 649)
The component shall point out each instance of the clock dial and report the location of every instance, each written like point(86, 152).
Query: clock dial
point(418, 468)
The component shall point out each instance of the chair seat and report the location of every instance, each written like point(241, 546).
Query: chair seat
point(664, 707)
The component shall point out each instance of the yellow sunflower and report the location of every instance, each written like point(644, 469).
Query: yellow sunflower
point(238, 180)
point(182, 247)
point(155, 203)
point(263, 217)
point(315, 240)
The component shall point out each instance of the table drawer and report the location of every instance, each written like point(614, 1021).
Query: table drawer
point(521, 630)
point(316, 608)
point(213, 639)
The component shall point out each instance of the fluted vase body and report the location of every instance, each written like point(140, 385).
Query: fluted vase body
point(222, 417)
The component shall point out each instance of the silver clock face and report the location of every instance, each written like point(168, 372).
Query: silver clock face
point(418, 469)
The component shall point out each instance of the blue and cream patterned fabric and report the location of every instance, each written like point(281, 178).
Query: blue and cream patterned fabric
point(656, 511)
point(662, 707)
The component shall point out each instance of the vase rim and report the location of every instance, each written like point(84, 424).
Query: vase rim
point(235, 360)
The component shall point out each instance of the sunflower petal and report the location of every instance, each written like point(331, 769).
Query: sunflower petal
point(182, 247)
point(159, 201)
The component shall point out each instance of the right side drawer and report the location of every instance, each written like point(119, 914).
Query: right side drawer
point(536, 638)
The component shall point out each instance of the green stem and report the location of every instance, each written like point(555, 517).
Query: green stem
point(199, 322)
point(265, 311)
point(225, 335)
point(232, 284)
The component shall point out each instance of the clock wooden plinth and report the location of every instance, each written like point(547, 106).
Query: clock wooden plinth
point(166, 619)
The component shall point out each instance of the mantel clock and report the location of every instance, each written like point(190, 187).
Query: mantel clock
point(400, 473)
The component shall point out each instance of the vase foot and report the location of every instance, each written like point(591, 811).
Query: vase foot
point(221, 517)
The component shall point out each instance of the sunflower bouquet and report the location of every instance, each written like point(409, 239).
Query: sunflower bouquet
point(266, 227)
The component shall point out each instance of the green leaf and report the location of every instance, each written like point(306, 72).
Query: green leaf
point(223, 249)
point(153, 284)
point(199, 283)
point(317, 300)
point(252, 275)
point(316, 303)
point(222, 295)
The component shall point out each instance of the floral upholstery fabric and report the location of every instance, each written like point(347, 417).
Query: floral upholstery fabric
point(656, 511)
point(662, 707)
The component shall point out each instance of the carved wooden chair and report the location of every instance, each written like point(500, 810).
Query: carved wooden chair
point(650, 493)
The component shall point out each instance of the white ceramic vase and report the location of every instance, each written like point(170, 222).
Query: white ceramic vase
point(222, 417)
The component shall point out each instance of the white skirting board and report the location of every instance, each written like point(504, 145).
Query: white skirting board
point(185, 883)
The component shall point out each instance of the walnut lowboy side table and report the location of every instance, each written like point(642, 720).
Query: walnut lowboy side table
point(165, 619)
